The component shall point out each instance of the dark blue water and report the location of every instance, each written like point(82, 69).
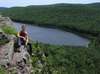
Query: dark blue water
point(53, 36)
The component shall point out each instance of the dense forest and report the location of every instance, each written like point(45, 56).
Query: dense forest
point(83, 18)
point(78, 17)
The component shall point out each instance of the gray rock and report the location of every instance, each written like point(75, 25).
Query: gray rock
point(6, 53)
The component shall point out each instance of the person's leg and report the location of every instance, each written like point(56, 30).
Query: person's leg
point(17, 44)
point(29, 48)
point(19, 41)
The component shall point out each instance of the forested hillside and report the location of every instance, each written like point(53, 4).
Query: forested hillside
point(80, 17)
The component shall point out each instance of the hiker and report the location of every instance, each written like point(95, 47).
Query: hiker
point(23, 39)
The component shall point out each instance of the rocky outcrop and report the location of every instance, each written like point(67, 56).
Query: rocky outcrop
point(13, 62)
point(6, 42)
point(5, 21)
point(21, 61)
point(6, 53)
point(6, 48)
point(18, 62)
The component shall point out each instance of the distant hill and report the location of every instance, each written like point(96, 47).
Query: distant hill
point(65, 4)
point(60, 4)
point(95, 4)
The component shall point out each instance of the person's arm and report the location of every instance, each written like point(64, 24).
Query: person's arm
point(18, 34)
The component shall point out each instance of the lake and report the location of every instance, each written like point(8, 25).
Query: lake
point(53, 36)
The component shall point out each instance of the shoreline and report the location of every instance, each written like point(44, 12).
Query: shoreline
point(82, 33)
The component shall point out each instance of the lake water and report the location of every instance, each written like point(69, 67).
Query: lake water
point(53, 36)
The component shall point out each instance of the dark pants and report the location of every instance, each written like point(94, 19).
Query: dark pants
point(28, 46)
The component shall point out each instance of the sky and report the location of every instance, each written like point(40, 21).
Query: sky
point(12, 3)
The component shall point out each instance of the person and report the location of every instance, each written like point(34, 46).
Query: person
point(23, 39)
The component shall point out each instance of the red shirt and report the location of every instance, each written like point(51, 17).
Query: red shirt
point(23, 34)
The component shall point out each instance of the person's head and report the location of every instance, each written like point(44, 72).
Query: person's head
point(23, 27)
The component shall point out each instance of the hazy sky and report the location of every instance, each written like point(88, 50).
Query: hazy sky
point(10, 3)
